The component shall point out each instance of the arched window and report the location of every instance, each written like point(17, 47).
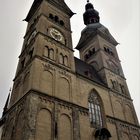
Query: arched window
point(95, 113)
point(51, 54)
point(51, 16)
point(65, 60)
point(46, 51)
point(86, 57)
point(56, 18)
point(61, 22)
point(61, 59)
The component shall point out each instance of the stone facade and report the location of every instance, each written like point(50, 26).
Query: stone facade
point(52, 88)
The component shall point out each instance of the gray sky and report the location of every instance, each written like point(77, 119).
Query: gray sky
point(121, 17)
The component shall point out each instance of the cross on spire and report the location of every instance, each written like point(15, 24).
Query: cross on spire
point(87, 0)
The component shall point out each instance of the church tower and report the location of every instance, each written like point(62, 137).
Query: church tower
point(45, 66)
point(98, 48)
point(47, 42)
point(57, 96)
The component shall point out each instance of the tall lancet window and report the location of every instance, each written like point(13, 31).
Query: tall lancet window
point(95, 111)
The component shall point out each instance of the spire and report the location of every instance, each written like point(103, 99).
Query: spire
point(91, 15)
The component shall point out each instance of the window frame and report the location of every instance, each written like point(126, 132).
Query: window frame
point(95, 110)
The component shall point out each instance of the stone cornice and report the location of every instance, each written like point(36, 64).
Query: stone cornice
point(122, 122)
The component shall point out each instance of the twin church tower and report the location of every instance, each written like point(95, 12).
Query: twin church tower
point(57, 96)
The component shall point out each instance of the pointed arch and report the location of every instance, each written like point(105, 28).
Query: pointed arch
point(95, 109)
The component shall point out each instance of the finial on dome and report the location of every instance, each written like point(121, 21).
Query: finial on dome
point(91, 15)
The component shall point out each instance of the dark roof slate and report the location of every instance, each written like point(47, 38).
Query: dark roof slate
point(33, 8)
point(88, 71)
point(91, 30)
point(60, 4)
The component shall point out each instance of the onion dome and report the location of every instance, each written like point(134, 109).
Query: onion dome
point(91, 15)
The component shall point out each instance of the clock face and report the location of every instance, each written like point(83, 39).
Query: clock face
point(57, 35)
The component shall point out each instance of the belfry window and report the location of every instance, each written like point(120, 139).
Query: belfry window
point(95, 114)
point(61, 23)
point(56, 18)
point(51, 16)
point(90, 53)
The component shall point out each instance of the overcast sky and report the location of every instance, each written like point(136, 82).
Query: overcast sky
point(121, 17)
